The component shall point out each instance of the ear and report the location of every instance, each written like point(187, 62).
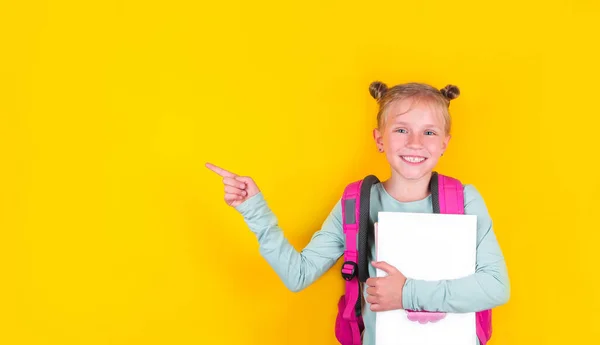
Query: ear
point(446, 141)
point(378, 137)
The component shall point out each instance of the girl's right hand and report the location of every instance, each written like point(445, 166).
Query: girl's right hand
point(237, 188)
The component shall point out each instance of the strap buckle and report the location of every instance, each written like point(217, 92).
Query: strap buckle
point(349, 272)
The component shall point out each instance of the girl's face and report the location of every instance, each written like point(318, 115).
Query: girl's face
point(413, 138)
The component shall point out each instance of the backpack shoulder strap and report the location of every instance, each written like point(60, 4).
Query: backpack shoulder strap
point(355, 221)
point(349, 303)
point(350, 216)
point(447, 194)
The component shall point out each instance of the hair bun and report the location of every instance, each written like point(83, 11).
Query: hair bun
point(377, 89)
point(450, 92)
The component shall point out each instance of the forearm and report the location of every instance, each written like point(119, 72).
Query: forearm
point(480, 291)
point(296, 269)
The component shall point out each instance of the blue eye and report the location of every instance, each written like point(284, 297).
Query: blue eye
point(430, 133)
point(401, 130)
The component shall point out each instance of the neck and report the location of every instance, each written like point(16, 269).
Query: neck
point(405, 190)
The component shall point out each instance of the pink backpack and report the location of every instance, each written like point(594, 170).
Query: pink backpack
point(447, 197)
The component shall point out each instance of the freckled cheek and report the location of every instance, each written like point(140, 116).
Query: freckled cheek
point(434, 146)
point(397, 142)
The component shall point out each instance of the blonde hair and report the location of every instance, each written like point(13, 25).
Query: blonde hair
point(414, 91)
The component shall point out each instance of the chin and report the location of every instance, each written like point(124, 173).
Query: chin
point(413, 175)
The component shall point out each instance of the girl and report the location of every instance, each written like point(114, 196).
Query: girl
point(413, 131)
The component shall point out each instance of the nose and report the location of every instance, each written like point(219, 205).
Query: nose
point(414, 141)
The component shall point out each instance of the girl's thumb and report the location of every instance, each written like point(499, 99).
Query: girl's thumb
point(247, 181)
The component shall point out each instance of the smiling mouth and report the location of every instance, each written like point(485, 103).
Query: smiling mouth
point(413, 159)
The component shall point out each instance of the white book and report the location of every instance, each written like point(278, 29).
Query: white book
point(426, 246)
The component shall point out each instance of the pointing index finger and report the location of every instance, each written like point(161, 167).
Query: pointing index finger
point(220, 171)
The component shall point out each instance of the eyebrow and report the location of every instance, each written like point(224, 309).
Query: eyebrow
point(429, 125)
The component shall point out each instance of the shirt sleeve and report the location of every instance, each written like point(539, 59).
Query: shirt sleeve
point(487, 288)
point(297, 269)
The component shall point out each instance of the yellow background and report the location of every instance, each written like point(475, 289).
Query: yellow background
point(114, 232)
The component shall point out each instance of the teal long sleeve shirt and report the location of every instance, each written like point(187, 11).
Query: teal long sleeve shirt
point(487, 288)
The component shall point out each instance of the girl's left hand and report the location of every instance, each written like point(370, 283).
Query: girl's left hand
point(385, 293)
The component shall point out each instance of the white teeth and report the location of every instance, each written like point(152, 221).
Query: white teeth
point(413, 159)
